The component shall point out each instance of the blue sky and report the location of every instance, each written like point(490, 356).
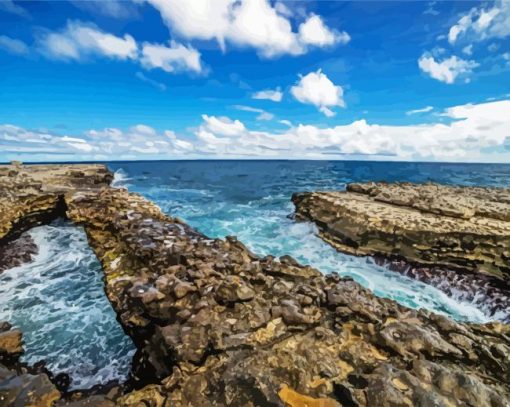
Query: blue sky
point(85, 80)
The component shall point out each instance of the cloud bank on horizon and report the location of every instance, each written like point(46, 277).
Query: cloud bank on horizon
point(254, 79)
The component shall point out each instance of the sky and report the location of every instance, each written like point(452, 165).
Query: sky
point(180, 79)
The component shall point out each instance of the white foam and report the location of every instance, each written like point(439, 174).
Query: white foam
point(59, 303)
point(120, 179)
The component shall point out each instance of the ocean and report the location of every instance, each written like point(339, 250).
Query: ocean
point(58, 300)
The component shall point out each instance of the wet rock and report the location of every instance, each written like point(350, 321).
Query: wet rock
point(17, 252)
point(26, 390)
point(11, 342)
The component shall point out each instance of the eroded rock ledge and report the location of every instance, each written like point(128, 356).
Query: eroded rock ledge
point(458, 227)
point(216, 325)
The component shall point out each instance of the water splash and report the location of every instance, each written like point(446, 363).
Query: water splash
point(58, 302)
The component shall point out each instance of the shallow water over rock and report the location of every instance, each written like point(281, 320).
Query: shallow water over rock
point(58, 301)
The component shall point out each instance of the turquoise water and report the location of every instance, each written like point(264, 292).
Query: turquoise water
point(59, 303)
point(251, 200)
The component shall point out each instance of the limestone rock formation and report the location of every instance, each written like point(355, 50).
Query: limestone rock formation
point(216, 325)
point(463, 228)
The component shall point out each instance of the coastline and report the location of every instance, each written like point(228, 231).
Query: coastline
point(208, 314)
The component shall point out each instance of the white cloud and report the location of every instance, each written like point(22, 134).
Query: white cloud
point(476, 133)
point(482, 23)
point(468, 49)
point(246, 23)
point(473, 132)
point(314, 32)
point(269, 94)
point(222, 126)
point(262, 114)
point(79, 40)
point(175, 58)
point(13, 46)
point(318, 90)
point(425, 109)
point(448, 69)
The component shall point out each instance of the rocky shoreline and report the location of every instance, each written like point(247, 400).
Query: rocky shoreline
point(454, 238)
point(216, 325)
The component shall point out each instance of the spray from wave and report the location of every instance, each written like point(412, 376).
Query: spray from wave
point(120, 179)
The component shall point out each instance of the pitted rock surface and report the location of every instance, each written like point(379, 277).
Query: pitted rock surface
point(215, 325)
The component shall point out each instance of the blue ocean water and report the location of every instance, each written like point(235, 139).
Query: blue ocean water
point(251, 200)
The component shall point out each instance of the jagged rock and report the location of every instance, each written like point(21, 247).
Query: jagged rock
point(454, 238)
point(17, 252)
point(26, 389)
point(216, 325)
point(11, 342)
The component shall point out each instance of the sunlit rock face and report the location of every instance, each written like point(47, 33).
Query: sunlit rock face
point(458, 227)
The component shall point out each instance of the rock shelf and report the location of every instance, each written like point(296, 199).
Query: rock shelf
point(216, 325)
point(464, 228)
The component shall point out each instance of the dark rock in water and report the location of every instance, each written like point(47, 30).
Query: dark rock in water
point(26, 389)
point(17, 252)
point(216, 325)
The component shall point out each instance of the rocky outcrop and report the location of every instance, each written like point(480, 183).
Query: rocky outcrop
point(216, 325)
point(18, 387)
point(455, 227)
point(32, 195)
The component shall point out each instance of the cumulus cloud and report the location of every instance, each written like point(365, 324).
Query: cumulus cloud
point(471, 132)
point(174, 58)
point(446, 70)
point(246, 23)
point(314, 32)
point(318, 90)
point(482, 23)
point(13, 46)
point(269, 94)
point(108, 143)
point(475, 133)
point(80, 40)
